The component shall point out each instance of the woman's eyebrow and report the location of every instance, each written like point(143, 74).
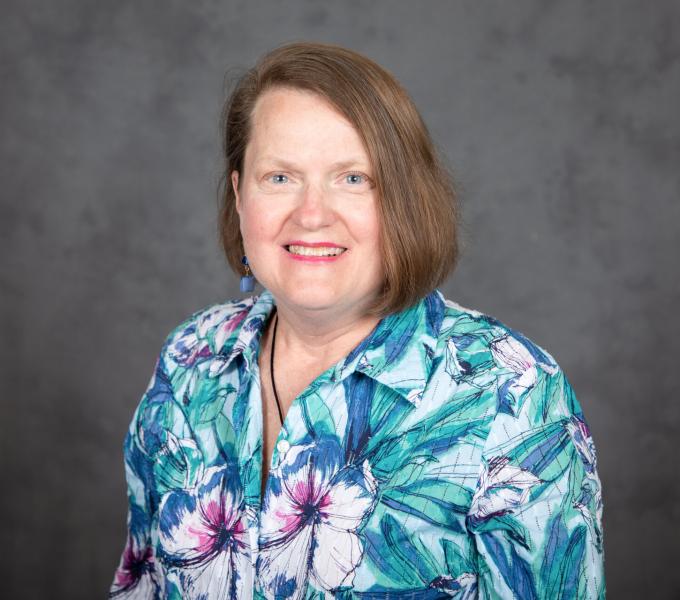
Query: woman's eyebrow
point(276, 162)
point(285, 164)
point(352, 162)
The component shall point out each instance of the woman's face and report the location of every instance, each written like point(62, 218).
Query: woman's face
point(306, 188)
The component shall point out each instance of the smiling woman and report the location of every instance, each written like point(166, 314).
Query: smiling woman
point(350, 432)
point(309, 221)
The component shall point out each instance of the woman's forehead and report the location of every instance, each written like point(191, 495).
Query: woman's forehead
point(286, 108)
point(290, 123)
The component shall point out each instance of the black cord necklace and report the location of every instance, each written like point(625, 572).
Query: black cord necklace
point(271, 368)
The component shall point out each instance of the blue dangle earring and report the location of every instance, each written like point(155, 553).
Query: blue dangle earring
point(247, 280)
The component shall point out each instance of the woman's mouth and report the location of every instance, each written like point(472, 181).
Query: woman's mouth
point(319, 251)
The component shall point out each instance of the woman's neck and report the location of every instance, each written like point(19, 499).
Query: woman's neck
point(316, 336)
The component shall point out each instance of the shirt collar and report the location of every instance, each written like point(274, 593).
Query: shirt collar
point(398, 352)
point(244, 339)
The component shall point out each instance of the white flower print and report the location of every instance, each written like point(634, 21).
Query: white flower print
point(309, 525)
point(501, 489)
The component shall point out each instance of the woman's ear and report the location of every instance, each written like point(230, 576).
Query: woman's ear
point(234, 184)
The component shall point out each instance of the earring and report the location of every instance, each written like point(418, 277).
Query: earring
point(247, 280)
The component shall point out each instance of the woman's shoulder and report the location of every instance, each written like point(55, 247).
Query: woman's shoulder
point(482, 352)
point(469, 330)
point(205, 332)
point(193, 350)
point(523, 385)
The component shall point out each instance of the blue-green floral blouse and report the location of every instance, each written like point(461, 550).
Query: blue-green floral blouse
point(445, 457)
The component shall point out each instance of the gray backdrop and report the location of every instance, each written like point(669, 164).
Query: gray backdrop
point(560, 120)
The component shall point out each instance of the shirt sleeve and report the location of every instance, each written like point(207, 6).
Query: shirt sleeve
point(136, 577)
point(536, 514)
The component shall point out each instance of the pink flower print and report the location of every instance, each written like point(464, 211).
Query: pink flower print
point(227, 327)
point(136, 575)
point(203, 531)
point(188, 347)
point(309, 525)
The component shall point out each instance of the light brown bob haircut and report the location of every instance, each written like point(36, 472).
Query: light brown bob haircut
point(417, 204)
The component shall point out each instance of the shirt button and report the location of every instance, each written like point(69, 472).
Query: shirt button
point(283, 446)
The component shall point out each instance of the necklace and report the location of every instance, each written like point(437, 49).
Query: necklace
point(271, 368)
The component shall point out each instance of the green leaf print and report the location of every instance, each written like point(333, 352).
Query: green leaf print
point(436, 501)
point(178, 464)
point(408, 554)
point(316, 415)
point(456, 562)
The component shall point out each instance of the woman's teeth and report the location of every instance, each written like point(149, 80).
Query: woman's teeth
point(309, 251)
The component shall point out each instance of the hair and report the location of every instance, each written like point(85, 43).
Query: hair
point(417, 203)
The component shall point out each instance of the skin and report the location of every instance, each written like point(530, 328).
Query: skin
point(307, 176)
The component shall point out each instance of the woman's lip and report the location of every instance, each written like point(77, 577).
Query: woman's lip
point(315, 258)
point(314, 244)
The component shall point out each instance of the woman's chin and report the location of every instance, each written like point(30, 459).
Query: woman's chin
point(314, 300)
point(315, 297)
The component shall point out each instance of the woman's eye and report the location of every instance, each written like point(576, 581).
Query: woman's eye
point(356, 178)
point(278, 178)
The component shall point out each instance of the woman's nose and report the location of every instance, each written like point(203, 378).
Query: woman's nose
point(313, 209)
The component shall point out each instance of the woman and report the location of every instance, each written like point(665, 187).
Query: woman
point(349, 431)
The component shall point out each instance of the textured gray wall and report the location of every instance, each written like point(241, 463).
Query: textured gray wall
point(560, 120)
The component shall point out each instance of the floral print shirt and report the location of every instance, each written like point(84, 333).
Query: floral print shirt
point(445, 457)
